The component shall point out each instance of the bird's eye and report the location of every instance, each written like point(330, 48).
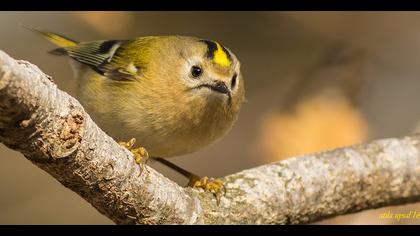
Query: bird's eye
point(233, 82)
point(196, 71)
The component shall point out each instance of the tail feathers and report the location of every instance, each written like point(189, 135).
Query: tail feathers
point(56, 39)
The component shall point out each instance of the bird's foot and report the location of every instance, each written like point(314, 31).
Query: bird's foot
point(212, 185)
point(140, 153)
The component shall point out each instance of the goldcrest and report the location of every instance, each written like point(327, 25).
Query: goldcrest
point(173, 94)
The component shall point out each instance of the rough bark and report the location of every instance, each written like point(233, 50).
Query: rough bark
point(51, 129)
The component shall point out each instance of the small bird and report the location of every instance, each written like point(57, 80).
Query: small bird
point(172, 94)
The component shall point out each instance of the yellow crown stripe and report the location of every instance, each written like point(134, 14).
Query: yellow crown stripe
point(220, 56)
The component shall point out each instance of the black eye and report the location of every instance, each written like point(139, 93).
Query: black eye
point(196, 71)
point(233, 82)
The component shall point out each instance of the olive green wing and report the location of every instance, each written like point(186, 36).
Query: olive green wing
point(102, 57)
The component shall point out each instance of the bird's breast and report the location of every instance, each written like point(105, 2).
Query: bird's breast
point(190, 127)
point(165, 124)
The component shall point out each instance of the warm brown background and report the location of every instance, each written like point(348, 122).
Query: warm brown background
point(314, 81)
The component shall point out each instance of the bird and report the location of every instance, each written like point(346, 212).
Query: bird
point(171, 94)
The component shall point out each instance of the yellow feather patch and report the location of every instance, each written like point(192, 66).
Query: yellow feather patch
point(220, 56)
point(58, 40)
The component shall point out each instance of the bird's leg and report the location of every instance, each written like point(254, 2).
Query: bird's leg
point(212, 185)
point(140, 154)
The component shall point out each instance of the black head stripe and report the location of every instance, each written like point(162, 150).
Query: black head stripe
point(227, 52)
point(212, 48)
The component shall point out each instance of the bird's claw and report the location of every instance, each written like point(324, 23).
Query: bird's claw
point(212, 185)
point(140, 154)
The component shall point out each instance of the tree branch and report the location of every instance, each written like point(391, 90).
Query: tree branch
point(51, 129)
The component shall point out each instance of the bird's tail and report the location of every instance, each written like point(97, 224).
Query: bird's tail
point(54, 38)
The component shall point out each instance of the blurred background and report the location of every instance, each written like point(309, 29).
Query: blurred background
point(314, 81)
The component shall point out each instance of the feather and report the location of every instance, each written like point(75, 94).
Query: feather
point(94, 54)
point(54, 38)
point(99, 55)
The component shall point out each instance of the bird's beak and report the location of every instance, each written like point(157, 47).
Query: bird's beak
point(217, 86)
point(220, 86)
